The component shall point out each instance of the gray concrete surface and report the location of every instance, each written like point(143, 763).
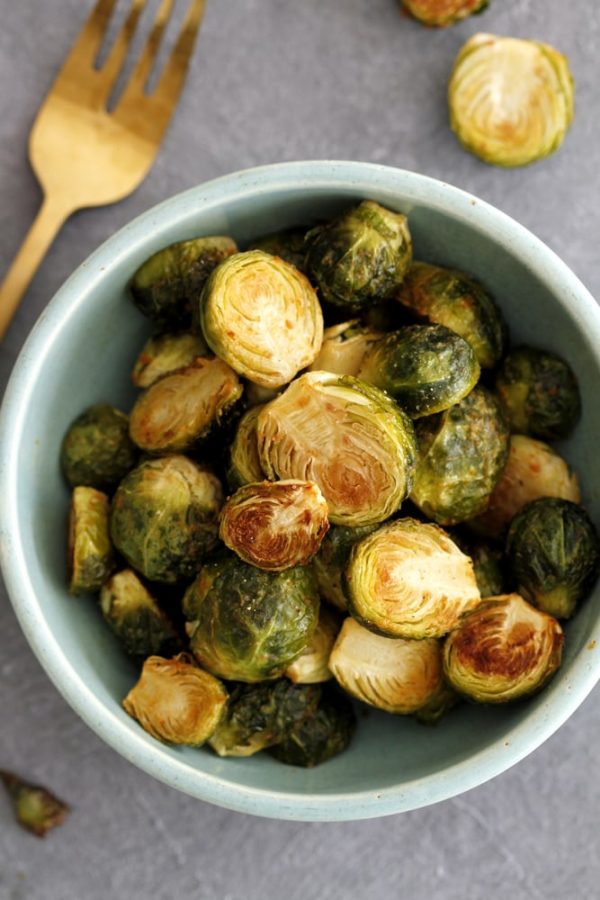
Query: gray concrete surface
point(279, 80)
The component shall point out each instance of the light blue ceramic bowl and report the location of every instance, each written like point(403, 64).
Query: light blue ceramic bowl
point(81, 352)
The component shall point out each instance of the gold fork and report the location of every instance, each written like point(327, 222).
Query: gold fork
point(82, 154)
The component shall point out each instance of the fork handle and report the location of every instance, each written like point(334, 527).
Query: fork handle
point(44, 229)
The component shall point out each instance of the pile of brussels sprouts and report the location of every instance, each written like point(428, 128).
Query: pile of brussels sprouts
point(291, 516)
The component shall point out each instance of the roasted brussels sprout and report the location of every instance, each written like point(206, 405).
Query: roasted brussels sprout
point(175, 701)
point(425, 368)
point(539, 393)
point(275, 525)
point(318, 737)
point(250, 624)
point(90, 553)
point(409, 580)
point(443, 12)
point(461, 455)
point(533, 470)
point(360, 257)
point(36, 809)
point(166, 286)
point(399, 676)
point(288, 244)
point(165, 353)
point(184, 408)
point(164, 517)
point(244, 462)
point(511, 100)
point(96, 450)
point(346, 436)
point(331, 561)
point(135, 617)
point(260, 715)
point(311, 667)
point(488, 563)
point(451, 298)
point(503, 650)
point(262, 316)
point(554, 554)
point(344, 347)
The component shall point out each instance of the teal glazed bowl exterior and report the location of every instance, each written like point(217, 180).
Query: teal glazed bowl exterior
point(81, 352)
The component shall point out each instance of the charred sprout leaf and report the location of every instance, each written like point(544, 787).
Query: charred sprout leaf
point(166, 286)
point(554, 553)
point(165, 353)
point(244, 461)
point(348, 437)
point(396, 675)
point(533, 470)
point(260, 715)
point(441, 13)
point(96, 450)
point(90, 553)
point(288, 244)
point(409, 580)
point(511, 100)
point(443, 701)
point(462, 452)
point(36, 808)
point(164, 517)
point(320, 736)
point(344, 347)
point(488, 563)
point(135, 617)
point(275, 525)
point(447, 297)
point(425, 368)
point(261, 315)
point(539, 393)
point(250, 625)
point(184, 408)
point(360, 257)
point(175, 701)
point(311, 667)
point(330, 562)
point(503, 650)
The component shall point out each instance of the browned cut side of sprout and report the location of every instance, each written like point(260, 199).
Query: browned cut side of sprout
point(312, 666)
point(441, 13)
point(165, 353)
point(90, 552)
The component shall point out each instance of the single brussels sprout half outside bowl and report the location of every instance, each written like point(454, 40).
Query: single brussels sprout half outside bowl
point(61, 372)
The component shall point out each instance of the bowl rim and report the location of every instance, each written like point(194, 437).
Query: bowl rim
point(330, 176)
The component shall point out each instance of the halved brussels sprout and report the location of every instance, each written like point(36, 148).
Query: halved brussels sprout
point(288, 244)
point(134, 616)
point(275, 525)
point(167, 285)
point(330, 562)
point(348, 437)
point(409, 580)
point(260, 715)
point(176, 701)
point(360, 257)
point(451, 298)
point(165, 353)
point(184, 408)
point(539, 393)
point(311, 667)
point(461, 455)
point(244, 461)
point(511, 100)
point(443, 12)
point(320, 736)
point(90, 553)
point(250, 624)
point(262, 316)
point(344, 347)
point(554, 553)
point(164, 517)
point(396, 675)
point(96, 450)
point(488, 563)
point(425, 368)
point(532, 470)
point(503, 650)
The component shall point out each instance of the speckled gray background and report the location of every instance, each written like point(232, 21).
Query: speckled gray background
point(280, 80)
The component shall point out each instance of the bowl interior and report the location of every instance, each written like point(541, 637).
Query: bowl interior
point(82, 352)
